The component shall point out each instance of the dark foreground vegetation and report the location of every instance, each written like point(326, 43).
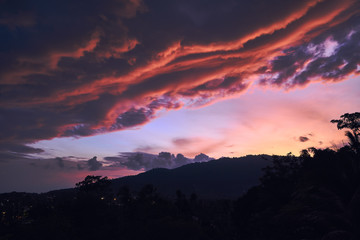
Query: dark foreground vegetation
point(313, 196)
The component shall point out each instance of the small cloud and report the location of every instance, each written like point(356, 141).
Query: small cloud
point(74, 158)
point(94, 164)
point(182, 141)
point(114, 159)
point(303, 139)
point(146, 148)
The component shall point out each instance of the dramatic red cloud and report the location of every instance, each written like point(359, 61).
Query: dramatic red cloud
point(114, 66)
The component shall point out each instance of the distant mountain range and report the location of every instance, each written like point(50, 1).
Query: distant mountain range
point(217, 179)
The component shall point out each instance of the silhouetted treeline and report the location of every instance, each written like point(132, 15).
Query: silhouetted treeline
point(314, 196)
point(306, 197)
point(97, 213)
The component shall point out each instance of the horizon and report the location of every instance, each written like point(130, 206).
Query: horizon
point(170, 80)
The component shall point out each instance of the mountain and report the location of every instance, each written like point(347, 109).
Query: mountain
point(216, 179)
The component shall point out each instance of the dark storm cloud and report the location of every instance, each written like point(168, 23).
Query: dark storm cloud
point(204, 22)
point(330, 57)
point(75, 68)
point(146, 161)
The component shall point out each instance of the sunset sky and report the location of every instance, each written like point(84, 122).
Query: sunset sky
point(112, 79)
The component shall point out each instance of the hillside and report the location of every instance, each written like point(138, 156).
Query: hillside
point(216, 179)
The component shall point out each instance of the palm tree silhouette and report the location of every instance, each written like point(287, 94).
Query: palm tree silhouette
point(353, 140)
point(350, 121)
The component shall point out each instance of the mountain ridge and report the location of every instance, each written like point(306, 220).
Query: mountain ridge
point(221, 178)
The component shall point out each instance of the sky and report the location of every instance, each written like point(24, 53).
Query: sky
point(118, 87)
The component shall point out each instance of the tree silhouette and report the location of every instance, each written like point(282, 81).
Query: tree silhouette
point(92, 183)
point(95, 186)
point(350, 121)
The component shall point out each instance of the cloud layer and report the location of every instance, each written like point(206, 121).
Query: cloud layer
point(23, 172)
point(70, 68)
point(145, 161)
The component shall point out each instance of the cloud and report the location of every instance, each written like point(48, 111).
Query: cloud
point(19, 172)
point(303, 64)
point(180, 142)
point(18, 152)
point(140, 161)
point(102, 70)
point(19, 148)
point(145, 148)
point(134, 161)
point(146, 161)
point(303, 139)
point(202, 158)
point(181, 160)
point(94, 164)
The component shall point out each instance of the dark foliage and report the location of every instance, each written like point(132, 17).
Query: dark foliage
point(350, 121)
point(314, 196)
